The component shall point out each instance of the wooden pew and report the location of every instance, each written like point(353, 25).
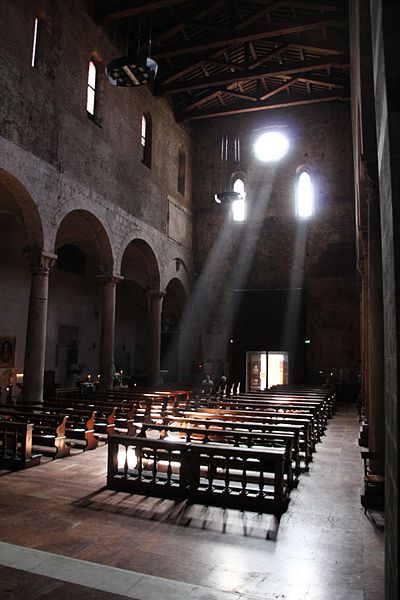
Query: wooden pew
point(281, 429)
point(276, 421)
point(316, 409)
point(79, 426)
point(16, 445)
point(104, 422)
point(230, 437)
point(48, 434)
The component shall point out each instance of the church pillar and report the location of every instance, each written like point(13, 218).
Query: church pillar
point(107, 329)
point(376, 397)
point(155, 305)
point(364, 313)
point(40, 264)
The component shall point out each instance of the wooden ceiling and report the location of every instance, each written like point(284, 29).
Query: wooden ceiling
point(223, 57)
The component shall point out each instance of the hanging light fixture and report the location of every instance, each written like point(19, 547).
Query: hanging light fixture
point(229, 162)
point(133, 69)
point(129, 71)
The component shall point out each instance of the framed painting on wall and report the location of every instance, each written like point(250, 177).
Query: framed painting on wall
point(7, 352)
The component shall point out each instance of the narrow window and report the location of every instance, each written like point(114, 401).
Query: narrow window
point(181, 170)
point(238, 206)
point(304, 196)
point(34, 42)
point(145, 139)
point(91, 89)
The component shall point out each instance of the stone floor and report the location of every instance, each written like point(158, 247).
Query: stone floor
point(64, 535)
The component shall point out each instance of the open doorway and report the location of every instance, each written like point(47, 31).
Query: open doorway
point(265, 369)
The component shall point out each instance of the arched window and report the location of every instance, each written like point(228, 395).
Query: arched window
point(181, 170)
point(145, 139)
point(91, 89)
point(34, 42)
point(304, 195)
point(238, 206)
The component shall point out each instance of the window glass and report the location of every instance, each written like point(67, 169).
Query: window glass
point(238, 206)
point(145, 139)
point(304, 196)
point(34, 42)
point(181, 170)
point(91, 89)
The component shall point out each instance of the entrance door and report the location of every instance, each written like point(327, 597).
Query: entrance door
point(265, 369)
point(277, 368)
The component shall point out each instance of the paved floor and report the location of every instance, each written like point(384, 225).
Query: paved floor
point(59, 525)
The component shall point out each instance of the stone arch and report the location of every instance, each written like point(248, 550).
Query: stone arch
point(21, 231)
point(76, 297)
point(172, 351)
point(140, 284)
point(176, 286)
point(74, 227)
point(140, 251)
point(24, 208)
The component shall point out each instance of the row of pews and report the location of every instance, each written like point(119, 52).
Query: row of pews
point(244, 451)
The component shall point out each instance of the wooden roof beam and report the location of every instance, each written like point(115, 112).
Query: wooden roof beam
point(279, 89)
point(250, 35)
point(322, 82)
point(131, 8)
point(227, 78)
point(234, 110)
point(196, 13)
point(257, 16)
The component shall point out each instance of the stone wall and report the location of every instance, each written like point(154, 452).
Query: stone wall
point(384, 19)
point(272, 249)
point(68, 178)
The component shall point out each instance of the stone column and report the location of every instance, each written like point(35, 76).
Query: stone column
point(155, 304)
point(376, 394)
point(107, 330)
point(40, 264)
point(364, 322)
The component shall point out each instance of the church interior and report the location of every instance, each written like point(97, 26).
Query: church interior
point(198, 223)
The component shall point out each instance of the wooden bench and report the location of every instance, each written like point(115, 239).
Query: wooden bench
point(232, 437)
point(16, 445)
point(277, 420)
point(215, 427)
point(79, 427)
point(48, 434)
point(104, 422)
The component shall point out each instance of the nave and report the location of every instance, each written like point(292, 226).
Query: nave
point(326, 548)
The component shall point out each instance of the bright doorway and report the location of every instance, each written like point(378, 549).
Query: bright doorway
point(265, 369)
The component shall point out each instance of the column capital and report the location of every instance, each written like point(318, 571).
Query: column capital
point(39, 262)
point(109, 278)
point(155, 294)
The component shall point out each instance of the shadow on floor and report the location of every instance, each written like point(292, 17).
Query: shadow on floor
point(183, 514)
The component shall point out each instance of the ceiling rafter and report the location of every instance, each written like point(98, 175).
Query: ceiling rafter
point(219, 57)
point(256, 33)
point(288, 82)
point(293, 101)
point(257, 16)
point(196, 13)
point(130, 8)
point(210, 97)
point(272, 71)
point(280, 88)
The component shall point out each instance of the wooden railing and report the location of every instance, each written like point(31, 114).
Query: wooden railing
point(217, 474)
